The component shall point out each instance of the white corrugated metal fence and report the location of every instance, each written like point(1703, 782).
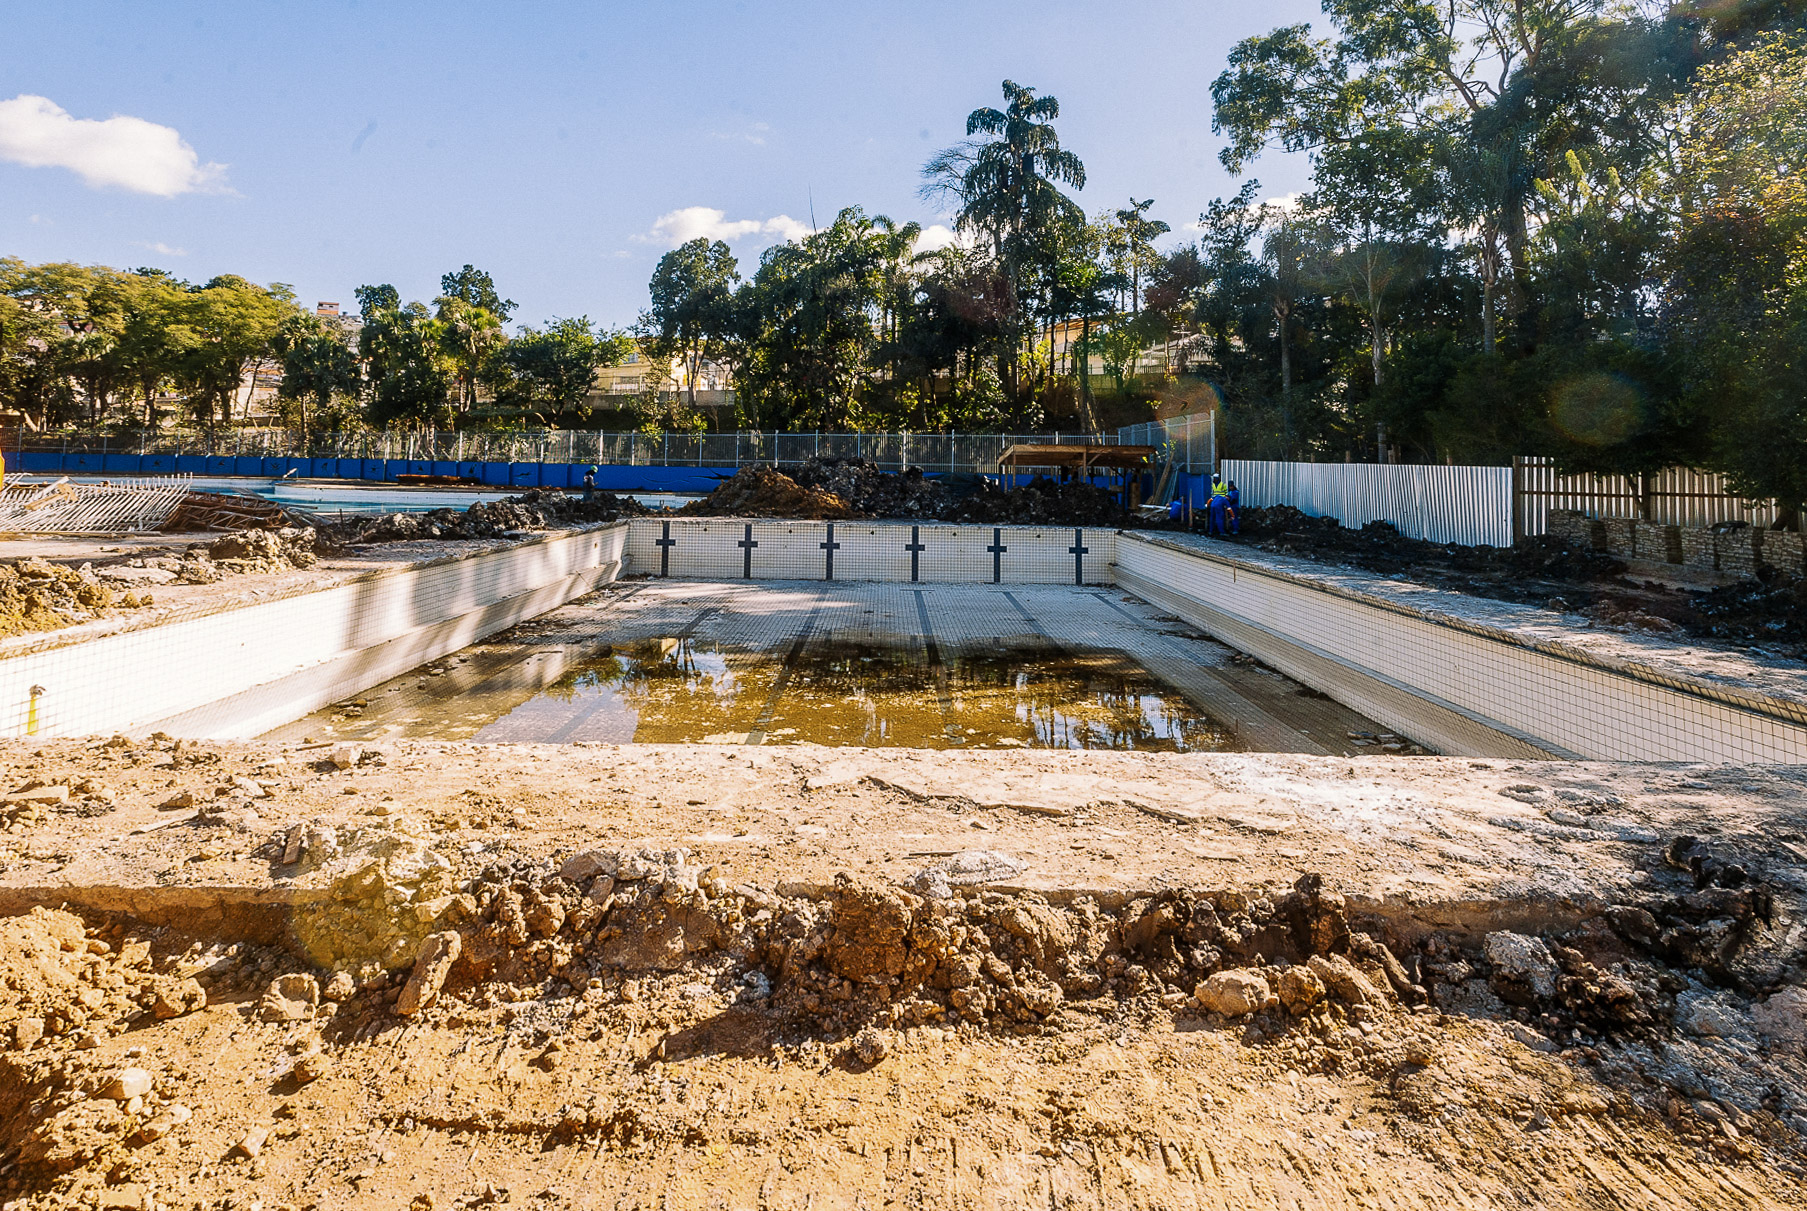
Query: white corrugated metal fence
point(1468, 505)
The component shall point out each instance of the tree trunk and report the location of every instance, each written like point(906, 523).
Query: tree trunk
point(1284, 314)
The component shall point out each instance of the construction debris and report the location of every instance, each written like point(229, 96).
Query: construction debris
point(62, 507)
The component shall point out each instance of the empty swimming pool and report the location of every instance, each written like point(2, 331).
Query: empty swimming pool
point(940, 666)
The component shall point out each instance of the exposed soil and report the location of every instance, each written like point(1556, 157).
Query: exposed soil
point(1542, 571)
point(36, 595)
point(833, 489)
point(456, 976)
point(539, 509)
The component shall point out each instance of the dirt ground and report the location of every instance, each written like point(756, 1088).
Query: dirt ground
point(426, 974)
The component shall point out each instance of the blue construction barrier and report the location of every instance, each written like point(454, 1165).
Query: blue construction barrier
point(518, 476)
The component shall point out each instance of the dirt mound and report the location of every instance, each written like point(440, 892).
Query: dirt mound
point(874, 492)
point(36, 595)
point(832, 489)
point(761, 491)
point(540, 509)
point(1042, 501)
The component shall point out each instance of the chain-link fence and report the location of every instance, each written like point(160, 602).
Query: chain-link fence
point(1190, 440)
point(938, 452)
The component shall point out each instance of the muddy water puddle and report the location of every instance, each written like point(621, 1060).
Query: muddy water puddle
point(686, 690)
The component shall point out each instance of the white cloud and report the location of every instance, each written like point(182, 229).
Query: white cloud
point(158, 246)
point(1286, 203)
point(708, 223)
point(935, 237)
point(754, 134)
point(122, 152)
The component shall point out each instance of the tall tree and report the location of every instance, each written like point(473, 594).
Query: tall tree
point(691, 319)
point(1006, 183)
point(475, 287)
point(318, 367)
point(471, 334)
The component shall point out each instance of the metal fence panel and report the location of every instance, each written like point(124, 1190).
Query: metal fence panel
point(963, 453)
point(1678, 496)
point(1468, 505)
point(1190, 440)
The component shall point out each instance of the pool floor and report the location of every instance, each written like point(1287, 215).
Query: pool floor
point(877, 665)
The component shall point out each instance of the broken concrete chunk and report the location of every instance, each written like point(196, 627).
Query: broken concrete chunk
point(290, 998)
point(580, 868)
point(251, 1143)
point(1299, 989)
point(179, 800)
point(346, 755)
point(1345, 981)
point(434, 962)
point(172, 1001)
point(126, 1084)
point(340, 987)
point(40, 794)
point(249, 786)
point(1233, 993)
point(970, 867)
point(1523, 969)
point(1782, 1017)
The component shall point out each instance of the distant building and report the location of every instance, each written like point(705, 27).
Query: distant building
point(635, 375)
point(349, 325)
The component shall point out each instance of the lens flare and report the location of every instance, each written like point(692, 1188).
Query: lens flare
point(1597, 409)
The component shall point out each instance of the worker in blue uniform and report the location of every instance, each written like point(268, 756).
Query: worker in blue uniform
point(1220, 503)
point(1233, 508)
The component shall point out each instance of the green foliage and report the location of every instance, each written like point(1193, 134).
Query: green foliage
point(407, 374)
point(692, 317)
point(319, 372)
point(548, 372)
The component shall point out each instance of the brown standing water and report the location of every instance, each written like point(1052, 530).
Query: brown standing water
point(686, 690)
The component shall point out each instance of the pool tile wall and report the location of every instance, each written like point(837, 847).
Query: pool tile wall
point(234, 672)
point(740, 549)
point(1477, 692)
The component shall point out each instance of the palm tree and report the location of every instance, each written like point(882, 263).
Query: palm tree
point(1006, 179)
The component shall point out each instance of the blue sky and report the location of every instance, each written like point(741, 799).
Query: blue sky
point(328, 144)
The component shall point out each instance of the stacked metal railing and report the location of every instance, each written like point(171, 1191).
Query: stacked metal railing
point(61, 507)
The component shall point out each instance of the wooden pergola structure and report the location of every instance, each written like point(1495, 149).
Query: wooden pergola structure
point(1074, 460)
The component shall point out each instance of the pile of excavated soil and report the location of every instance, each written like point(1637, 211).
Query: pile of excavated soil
point(761, 491)
point(1044, 501)
point(238, 553)
point(832, 489)
point(383, 977)
point(872, 491)
point(540, 509)
point(36, 595)
point(1543, 571)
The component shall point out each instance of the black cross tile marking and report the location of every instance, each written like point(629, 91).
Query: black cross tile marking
point(746, 545)
point(1078, 551)
point(665, 542)
point(916, 548)
point(997, 549)
point(831, 546)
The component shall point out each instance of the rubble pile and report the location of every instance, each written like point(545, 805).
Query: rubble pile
point(761, 491)
point(36, 595)
point(872, 491)
point(539, 509)
point(1044, 501)
point(832, 489)
point(1678, 1010)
